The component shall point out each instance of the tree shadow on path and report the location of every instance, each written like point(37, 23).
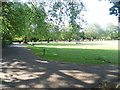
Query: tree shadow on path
point(22, 69)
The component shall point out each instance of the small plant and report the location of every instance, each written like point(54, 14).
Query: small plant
point(107, 85)
point(102, 59)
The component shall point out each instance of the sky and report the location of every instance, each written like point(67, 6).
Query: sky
point(98, 12)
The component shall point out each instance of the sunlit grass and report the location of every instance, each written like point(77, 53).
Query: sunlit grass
point(113, 45)
point(84, 53)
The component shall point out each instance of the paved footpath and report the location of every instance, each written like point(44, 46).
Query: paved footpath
point(22, 69)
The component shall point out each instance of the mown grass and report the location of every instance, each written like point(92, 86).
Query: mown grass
point(84, 53)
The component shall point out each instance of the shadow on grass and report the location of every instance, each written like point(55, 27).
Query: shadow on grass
point(21, 69)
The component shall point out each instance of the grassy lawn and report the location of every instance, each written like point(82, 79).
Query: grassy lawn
point(103, 52)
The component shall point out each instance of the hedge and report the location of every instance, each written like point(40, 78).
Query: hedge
point(6, 42)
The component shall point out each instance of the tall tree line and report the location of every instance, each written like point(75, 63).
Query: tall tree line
point(39, 21)
point(31, 21)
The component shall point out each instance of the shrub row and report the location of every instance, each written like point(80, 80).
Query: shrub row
point(6, 42)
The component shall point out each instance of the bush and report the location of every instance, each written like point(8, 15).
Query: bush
point(109, 84)
point(6, 42)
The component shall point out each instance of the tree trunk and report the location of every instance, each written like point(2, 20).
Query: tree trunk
point(41, 41)
point(70, 40)
point(48, 41)
point(25, 40)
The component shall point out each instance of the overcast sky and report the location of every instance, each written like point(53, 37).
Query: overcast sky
point(98, 11)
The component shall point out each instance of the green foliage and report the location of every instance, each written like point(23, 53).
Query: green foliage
point(115, 9)
point(52, 32)
point(31, 21)
point(112, 31)
point(95, 31)
point(15, 19)
point(71, 10)
point(22, 20)
point(6, 42)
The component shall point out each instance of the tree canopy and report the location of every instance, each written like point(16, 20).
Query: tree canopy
point(36, 20)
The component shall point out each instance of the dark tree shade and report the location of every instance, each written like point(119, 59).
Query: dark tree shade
point(115, 10)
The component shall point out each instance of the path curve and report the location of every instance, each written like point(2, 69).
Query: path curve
point(22, 69)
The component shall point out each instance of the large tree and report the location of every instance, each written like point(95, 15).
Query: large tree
point(112, 31)
point(32, 20)
point(24, 20)
point(15, 19)
point(115, 9)
point(69, 12)
point(94, 31)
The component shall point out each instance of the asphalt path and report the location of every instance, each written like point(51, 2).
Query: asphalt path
point(22, 69)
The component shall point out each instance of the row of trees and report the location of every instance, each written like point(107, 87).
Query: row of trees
point(95, 31)
point(50, 21)
point(32, 21)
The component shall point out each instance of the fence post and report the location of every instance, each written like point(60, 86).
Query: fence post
point(44, 52)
